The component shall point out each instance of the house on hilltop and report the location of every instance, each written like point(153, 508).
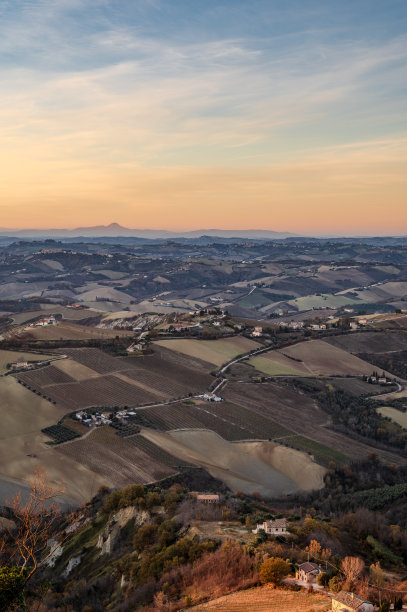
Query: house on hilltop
point(277, 527)
point(349, 602)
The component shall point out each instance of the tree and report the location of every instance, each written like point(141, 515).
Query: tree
point(274, 570)
point(24, 544)
point(352, 568)
point(314, 549)
point(335, 584)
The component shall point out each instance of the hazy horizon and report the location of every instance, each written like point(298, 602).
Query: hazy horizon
point(168, 115)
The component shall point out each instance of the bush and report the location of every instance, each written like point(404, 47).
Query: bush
point(12, 583)
point(274, 570)
point(144, 537)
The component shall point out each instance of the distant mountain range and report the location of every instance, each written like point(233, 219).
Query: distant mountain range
point(114, 229)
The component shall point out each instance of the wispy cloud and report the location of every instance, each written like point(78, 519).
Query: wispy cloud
point(89, 93)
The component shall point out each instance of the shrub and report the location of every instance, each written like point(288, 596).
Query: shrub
point(274, 570)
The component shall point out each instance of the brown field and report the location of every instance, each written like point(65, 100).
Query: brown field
point(264, 467)
point(90, 377)
point(231, 421)
point(275, 363)
point(290, 408)
point(216, 352)
point(268, 599)
point(22, 445)
point(116, 459)
point(74, 370)
point(394, 322)
point(22, 412)
point(321, 358)
point(68, 330)
point(12, 356)
point(370, 342)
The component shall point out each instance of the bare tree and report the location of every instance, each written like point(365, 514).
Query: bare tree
point(353, 568)
point(25, 543)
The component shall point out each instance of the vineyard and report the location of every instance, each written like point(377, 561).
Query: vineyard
point(115, 458)
point(377, 499)
point(49, 375)
point(92, 378)
point(204, 416)
point(60, 433)
point(259, 426)
point(157, 453)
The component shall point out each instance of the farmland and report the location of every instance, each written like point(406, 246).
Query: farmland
point(116, 459)
point(215, 352)
point(276, 364)
point(7, 357)
point(267, 599)
point(298, 412)
point(90, 377)
point(230, 462)
point(321, 358)
point(395, 415)
point(371, 342)
point(67, 330)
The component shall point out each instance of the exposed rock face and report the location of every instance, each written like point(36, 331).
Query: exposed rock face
point(108, 538)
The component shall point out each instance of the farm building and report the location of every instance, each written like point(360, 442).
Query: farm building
point(207, 498)
point(46, 321)
point(348, 602)
point(308, 572)
point(277, 527)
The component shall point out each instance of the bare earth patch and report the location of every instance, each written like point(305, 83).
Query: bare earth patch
point(244, 466)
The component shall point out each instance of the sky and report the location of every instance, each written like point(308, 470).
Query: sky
point(288, 115)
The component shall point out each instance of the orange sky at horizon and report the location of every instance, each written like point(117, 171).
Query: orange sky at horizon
point(335, 193)
point(180, 116)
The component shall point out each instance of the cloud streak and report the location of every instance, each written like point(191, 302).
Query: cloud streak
point(116, 102)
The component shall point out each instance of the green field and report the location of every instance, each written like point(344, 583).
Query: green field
point(395, 415)
point(325, 300)
point(322, 454)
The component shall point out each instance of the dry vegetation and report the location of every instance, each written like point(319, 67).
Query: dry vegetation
point(268, 599)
